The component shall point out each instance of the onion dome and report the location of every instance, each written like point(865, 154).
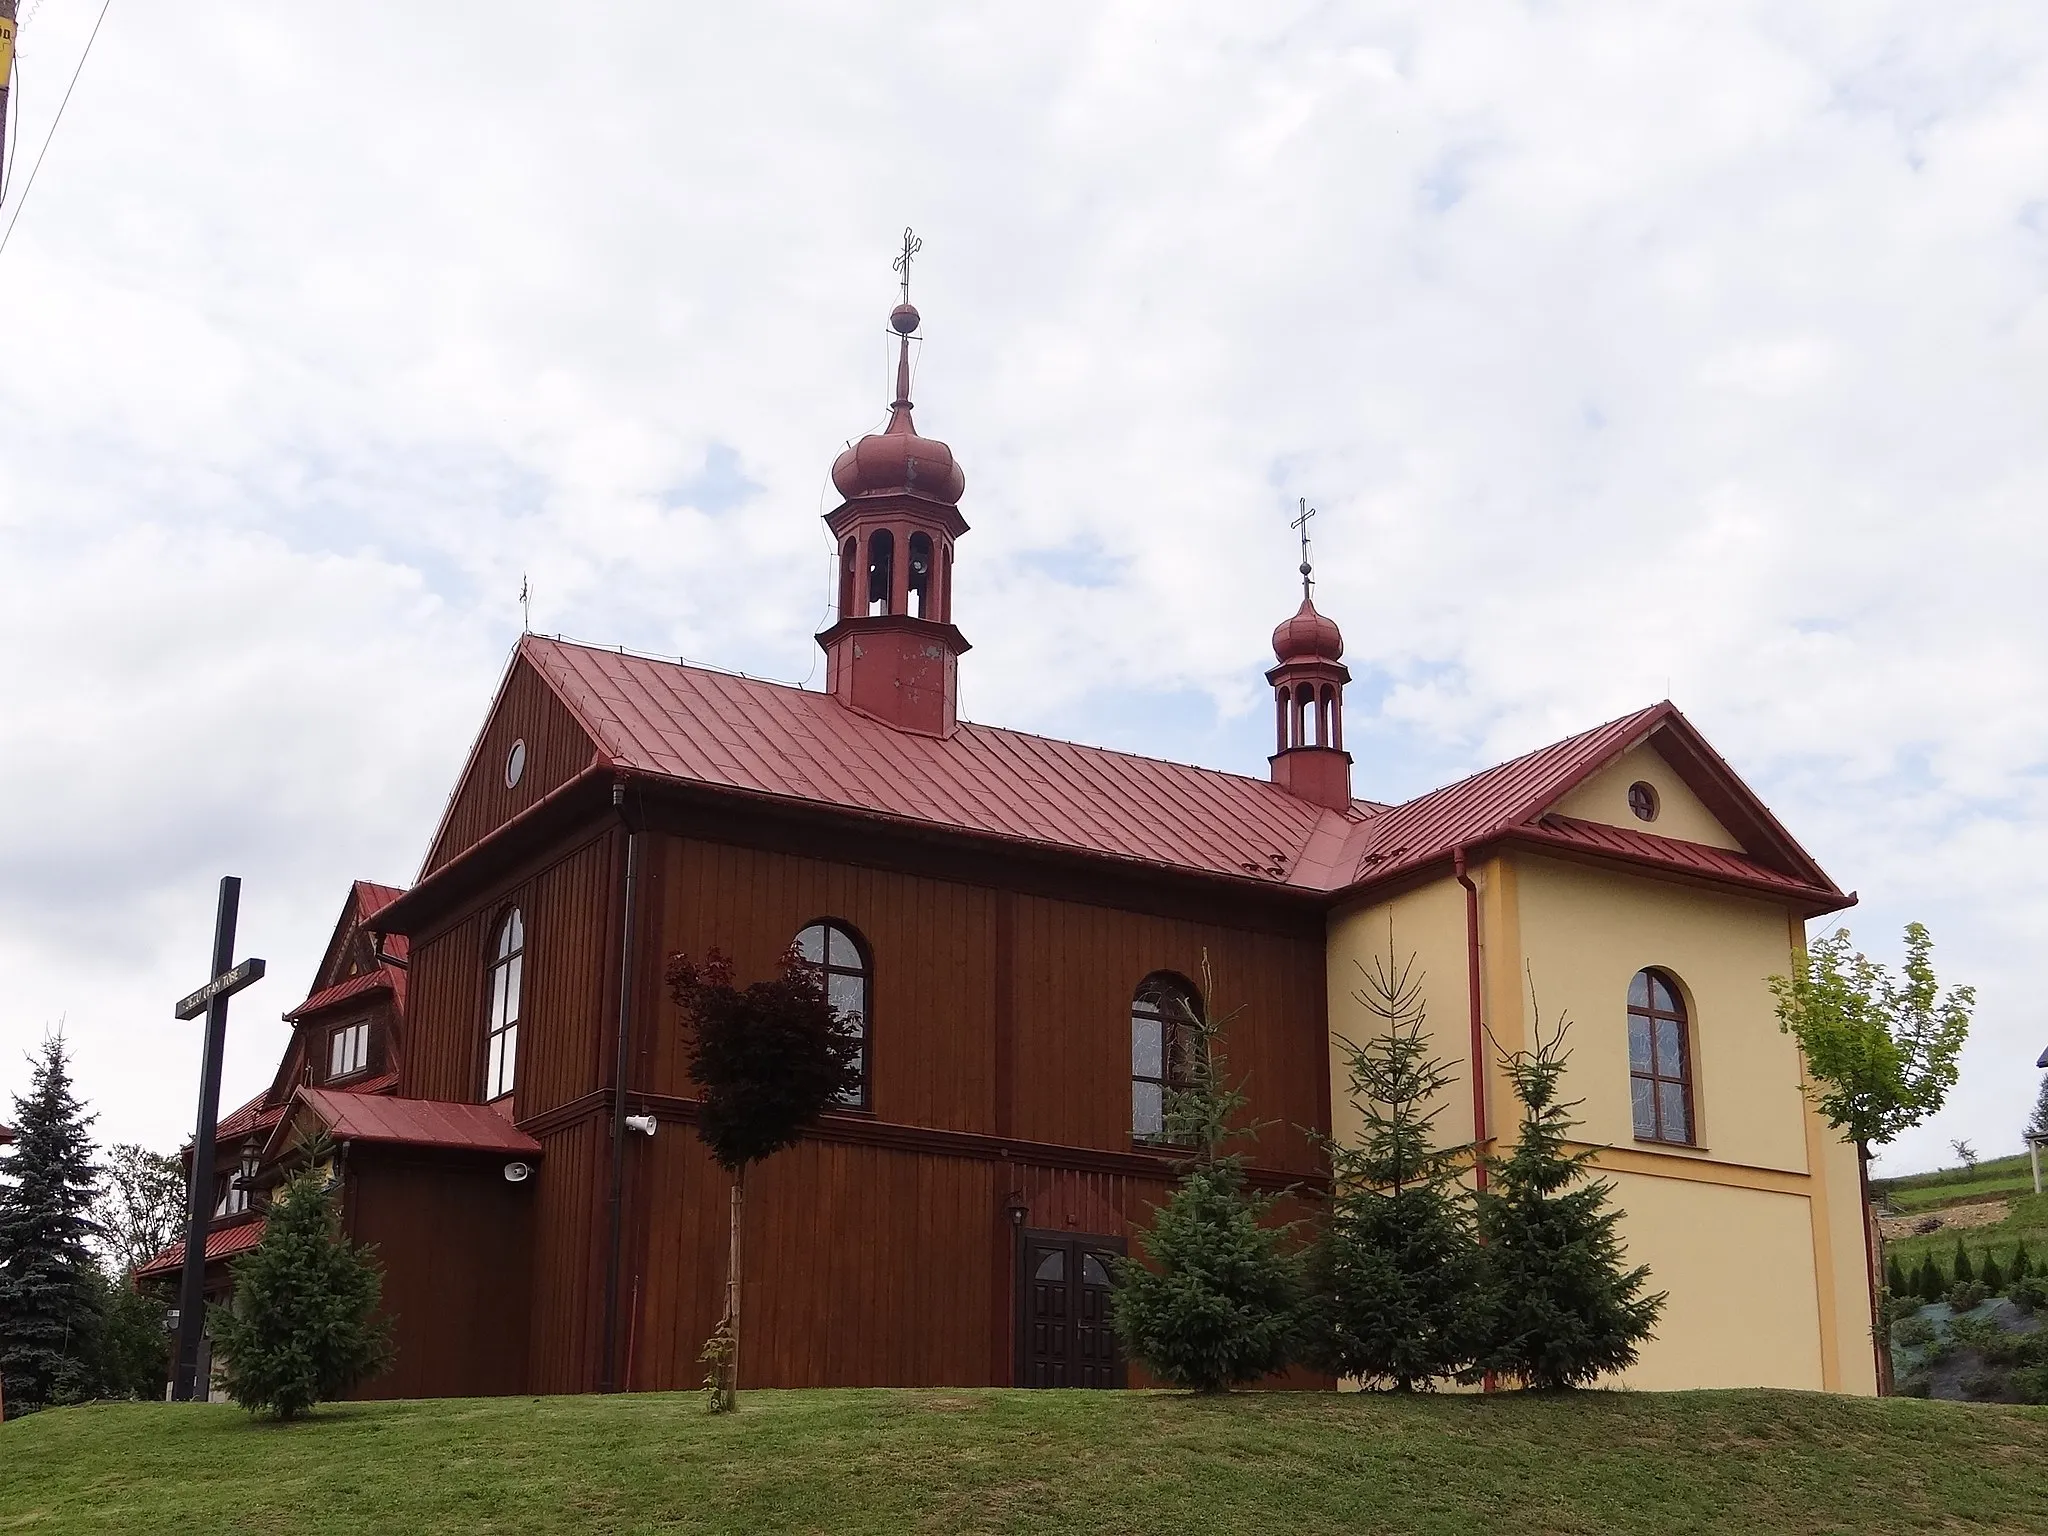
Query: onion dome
point(896, 459)
point(1308, 636)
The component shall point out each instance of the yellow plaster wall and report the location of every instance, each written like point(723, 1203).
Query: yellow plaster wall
point(1429, 924)
point(1736, 1266)
point(1586, 931)
point(1763, 1260)
point(1604, 798)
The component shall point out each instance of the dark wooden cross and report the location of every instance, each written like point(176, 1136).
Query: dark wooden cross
point(211, 1000)
point(911, 246)
point(1301, 522)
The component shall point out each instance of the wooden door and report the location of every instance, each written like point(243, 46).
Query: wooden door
point(1063, 1330)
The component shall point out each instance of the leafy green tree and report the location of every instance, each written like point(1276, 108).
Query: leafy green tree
point(302, 1328)
point(50, 1292)
point(767, 1060)
point(1219, 1305)
point(131, 1357)
point(141, 1206)
point(1564, 1311)
point(1396, 1289)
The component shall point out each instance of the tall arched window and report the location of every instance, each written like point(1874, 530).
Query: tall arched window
point(1659, 1059)
point(920, 575)
point(501, 1055)
point(881, 570)
point(837, 951)
point(1164, 1044)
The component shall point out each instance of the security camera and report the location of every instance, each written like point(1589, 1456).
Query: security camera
point(518, 1173)
point(644, 1124)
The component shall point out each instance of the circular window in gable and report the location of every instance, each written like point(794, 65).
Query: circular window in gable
point(515, 764)
point(1642, 799)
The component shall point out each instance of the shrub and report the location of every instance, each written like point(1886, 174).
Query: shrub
point(2029, 1293)
point(2022, 1261)
point(1990, 1276)
point(1919, 1384)
point(1983, 1386)
point(1895, 1276)
point(2003, 1349)
point(1928, 1280)
point(299, 1331)
point(1974, 1333)
point(1898, 1308)
point(2030, 1384)
point(1962, 1269)
point(1966, 1296)
point(1913, 1332)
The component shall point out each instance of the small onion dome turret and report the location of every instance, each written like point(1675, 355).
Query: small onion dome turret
point(1308, 636)
point(896, 459)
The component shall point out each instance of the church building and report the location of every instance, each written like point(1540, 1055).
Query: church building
point(1009, 923)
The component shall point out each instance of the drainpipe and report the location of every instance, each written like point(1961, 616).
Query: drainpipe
point(1478, 1021)
point(608, 1383)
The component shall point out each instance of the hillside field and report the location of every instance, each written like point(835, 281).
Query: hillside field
point(1760, 1463)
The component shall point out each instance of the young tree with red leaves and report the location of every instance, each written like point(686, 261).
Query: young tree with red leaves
point(767, 1059)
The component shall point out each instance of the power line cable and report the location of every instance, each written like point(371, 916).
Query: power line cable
point(31, 186)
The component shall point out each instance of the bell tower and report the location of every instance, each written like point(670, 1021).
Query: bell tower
point(1309, 759)
point(894, 653)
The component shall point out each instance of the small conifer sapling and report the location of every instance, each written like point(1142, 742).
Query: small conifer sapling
point(1564, 1309)
point(1396, 1288)
point(302, 1328)
point(1218, 1305)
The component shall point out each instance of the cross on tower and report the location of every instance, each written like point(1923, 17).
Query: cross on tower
point(1301, 522)
point(911, 246)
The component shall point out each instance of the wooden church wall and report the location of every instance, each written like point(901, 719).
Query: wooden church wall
point(454, 1239)
point(993, 1012)
point(569, 1229)
point(557, 749)
point(568, 909)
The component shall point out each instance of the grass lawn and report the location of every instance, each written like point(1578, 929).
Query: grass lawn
point(944, 1461)
point(1952, 1186)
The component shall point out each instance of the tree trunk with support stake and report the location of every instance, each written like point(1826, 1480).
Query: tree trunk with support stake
point(732, 1294)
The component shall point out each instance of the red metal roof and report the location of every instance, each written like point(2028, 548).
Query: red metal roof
point(252, 1116)
point(1671, 852)
point(692, 724)
point(416, 1122)
point(383, 979)
point(221, 1243)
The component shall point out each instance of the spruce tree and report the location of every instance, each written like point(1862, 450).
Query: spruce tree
point(2022, 1261)
point(49, 1291)
point(1219, 1305)
point(1395, 1282)
point(301, 1330)
point(1564, 1311)
point(1962, 1269)
point(2037, 1123)
point(1895, 1276)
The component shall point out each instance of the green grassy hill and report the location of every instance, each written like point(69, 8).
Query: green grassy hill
point(972, 1461)
point(1956, 1186)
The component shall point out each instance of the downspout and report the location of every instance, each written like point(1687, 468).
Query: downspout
point(1479, 1136)
point(608, 1381)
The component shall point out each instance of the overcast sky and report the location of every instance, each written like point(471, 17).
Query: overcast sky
point(1626, 350)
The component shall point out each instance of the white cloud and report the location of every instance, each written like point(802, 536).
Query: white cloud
point(1686, 348)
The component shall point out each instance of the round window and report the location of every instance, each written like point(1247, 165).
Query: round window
point(1642, 799)
point(515, 764)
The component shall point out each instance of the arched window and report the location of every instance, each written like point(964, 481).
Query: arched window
point(1659, 1059)
point(501, 1055)
point(847, 556)
point(881, 570)
point(835, 950)
point(1164, 1045)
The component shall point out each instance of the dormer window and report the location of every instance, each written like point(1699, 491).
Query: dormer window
point(348, 1050)
point(237, 1190)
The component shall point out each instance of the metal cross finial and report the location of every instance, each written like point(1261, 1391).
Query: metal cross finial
point(911, 246)
point(1301, 522)
point(525, 604)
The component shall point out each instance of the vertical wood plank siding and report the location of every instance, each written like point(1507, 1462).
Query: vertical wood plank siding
point(868, 1265)
point(557, 749)
point(568, 910)
point(453, 1239)
point(568, 1231)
